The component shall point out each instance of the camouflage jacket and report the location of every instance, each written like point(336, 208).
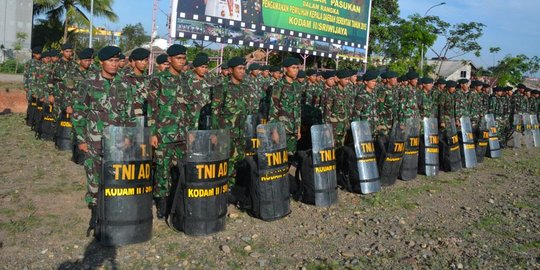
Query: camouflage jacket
point(231, 105)
point(365, 107)
point(497, 106)
point(388, 108)
point(106, 102)
point(337, 109)
point(477, 109)
point(141, 97)
point(408, 102)
point(199, 94)
point(285, 105)
point(29, 75)
point(427, 104)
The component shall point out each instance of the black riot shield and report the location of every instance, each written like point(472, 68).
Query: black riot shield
point(528, 132)
point(409, 165)
point(125, 191)
point(517, 136)
point(200, 203)
point(535, 130)
point(321, 189)
point(494, 147)
point(481, 140)
point(269, 191)
point(449, 154)
point(250, 135)
point(36, 120)
point(466, 143)
point(246, 168)
point(64, 133)
point(30, 111)
point(47, 126)
point(390, 154)
point(429, 148)
point(368, 172)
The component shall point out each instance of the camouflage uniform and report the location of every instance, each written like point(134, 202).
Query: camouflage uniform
point(497, 106)
point(337, 112)
point(30, 71)
point(408, 102)
point(285, 108)
point(313, 94)
point(169, 118)
point(387, 108)
point(63, 82)
point(106, 102)
point(365, 107)
point(199, 94)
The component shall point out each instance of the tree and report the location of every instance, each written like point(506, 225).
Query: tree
point(494, 51)
point(383, 15)
point(510, 69)
point(17, 47)
point(47, 33)
point(133, 36)
point(73, 11)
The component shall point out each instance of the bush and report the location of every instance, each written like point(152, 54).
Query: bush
point(9, 67)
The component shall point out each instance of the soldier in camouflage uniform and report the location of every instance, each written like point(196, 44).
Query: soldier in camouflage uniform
point(169, 123)
point(138, 77)
point(275, 74)
point(199, 89)
point(60, 79)
point(520, 99)
point(265, 73)
point(387, 104)
point(336, 108)
point(313, 89)
point(477, 109)
point(162, 62)
point(462, 101)
point(254, 71)
point(447, 107)
point(365, 100)
point(407, 97)
point(29, 78)
point(224, 70)
point(107, 101)
point(427, 106)
point(285, 102)
point(497, 107)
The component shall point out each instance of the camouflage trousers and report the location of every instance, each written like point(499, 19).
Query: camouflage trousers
point(503, 128)
point(291, 144)
point(238, 153)
point(92, 167)
point(166, 156)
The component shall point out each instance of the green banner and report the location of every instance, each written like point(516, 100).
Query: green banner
point(334, 19)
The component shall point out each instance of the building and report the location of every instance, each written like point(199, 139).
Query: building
point(452, 69)
point(15, 17)
point(100, 34)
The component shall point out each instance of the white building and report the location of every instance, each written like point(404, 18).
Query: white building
point(452, 69)
point(15, 17)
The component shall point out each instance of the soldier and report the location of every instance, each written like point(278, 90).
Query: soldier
point(285, 102)
point(137, 76)
point(29, 76)
point(254, 73)
point(162, 62)
point(61, 79)
point(447, 105)
point(169, 118)
point(276, 74)
point(123, 63)
point(336, 110)
point(478, 107)
point(55, 56)
point(407, 96)
point(199, 91)
point(265, 73)
point(462, 101)
point(107, 102)
point(520, 99)
point(387, 104)
point(224, 70)
point(427, 106)
point(313, 89)
point(498, 109)
point(365, 102)
point(301, 78)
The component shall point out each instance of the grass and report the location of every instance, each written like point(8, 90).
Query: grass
point(21, 225)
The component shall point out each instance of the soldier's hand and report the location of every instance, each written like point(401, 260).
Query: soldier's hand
point(275, 136)
point(154, 141)
point(51, 99)
point(191, 138)
point(298, 134)
point(127, 143)
point(83, 147)
point(213, 139)
point(69, 110)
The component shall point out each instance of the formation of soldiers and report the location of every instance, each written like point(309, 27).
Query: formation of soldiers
point(180, 97)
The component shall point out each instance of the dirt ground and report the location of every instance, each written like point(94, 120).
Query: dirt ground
point(12, 97)
point(483, 218)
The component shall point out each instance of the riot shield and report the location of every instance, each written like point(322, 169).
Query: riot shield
point(368, 172)
point(481, 139)
point(250, 135)
point(450, 155)
point(47, 126)
point(390, 154)
point(429, 148)
point(324, 167)
point(528, 133)
point(200, 203)
point(535, 130)
point(32, 107)
point(466, 143)
point(64, 133)
point(494, 148)
point(517, 136)
point(269, 191)
point(409, 165)
point(125, 191)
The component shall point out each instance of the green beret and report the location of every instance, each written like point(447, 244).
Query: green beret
point(426, 80)
point(139, 54)
point(352, 72)
point(343, 73)
point(224, 65)
point(521, 86)
point(45, 54)
point(176, 49)
point(311, 72)
point(121, 56)
point(451, 84)
point(37, 50)
point(370, 75)
point(67, 46)
point(476, 83)
point(411, 75)
point(108, 52)
point(508, 88)
point(301, 74)
point(289, 61)
point(402, 78)
point(440, 81)
point(87, 53)
point(498, 89)
point(486, 85)
point(162, 58)
point(236, 61)
point(536, 92)
point(328, 74)
point(254, 66)
point(201, 59)
point(463, 81)
point(389, 74)
point(274, 68)
point(54, 53)
point(265, 67)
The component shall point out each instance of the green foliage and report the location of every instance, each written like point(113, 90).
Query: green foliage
point(383, 15)
point(133, 36)
point(511, 69)
point(10, 66)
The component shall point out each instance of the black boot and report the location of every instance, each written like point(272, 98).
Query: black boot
point(161, 207)
point(93, 220)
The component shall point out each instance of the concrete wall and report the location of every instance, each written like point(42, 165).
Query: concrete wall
point(15, 16)
point(457, 75)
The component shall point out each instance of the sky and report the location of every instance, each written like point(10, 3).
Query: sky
point(510, 25)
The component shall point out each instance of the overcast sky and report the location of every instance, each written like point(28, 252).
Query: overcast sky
point(511, 25)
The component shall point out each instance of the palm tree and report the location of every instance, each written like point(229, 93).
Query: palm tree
point(73, 11)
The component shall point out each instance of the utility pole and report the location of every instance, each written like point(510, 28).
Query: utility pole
point(91, 23)
point(422, 47)
point(152, 37)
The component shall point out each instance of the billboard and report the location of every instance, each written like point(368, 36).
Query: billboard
point(327, 28)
